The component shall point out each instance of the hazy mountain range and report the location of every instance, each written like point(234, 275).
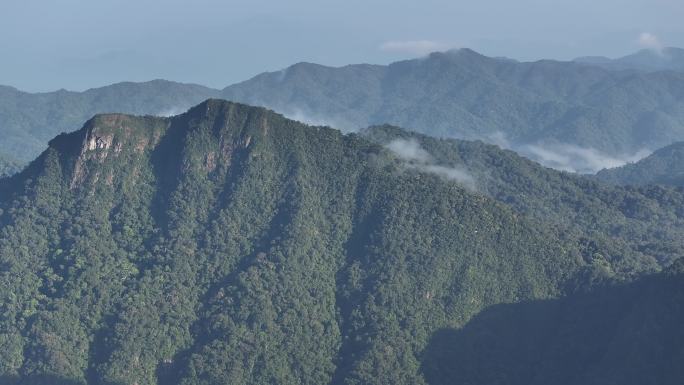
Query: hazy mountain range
point(231, 245)
point(567, 115)
point(670, 58)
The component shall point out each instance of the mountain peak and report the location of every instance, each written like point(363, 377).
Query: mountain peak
point(458, 53)
point(224, 127)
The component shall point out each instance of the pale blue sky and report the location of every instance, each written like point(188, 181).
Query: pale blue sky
point(76, 44)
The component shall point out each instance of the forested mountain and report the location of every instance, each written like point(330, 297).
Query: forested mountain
point(232, 245)
point(670, 58)
point(645, 223)
point(29, 120)
point(556, 112)
point(665, 166)
point(567, 115)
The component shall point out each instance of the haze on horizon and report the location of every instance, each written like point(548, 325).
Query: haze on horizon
point(47, 45)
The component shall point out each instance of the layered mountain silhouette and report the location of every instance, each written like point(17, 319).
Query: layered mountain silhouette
point(556, 112)
point(229, 244)
point(567, 115)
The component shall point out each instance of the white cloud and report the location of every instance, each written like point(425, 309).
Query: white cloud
point(565, 156)
point(415, 47)
point(417, 158)
point(172, 111)
point(650, 41)
point(573, 158)
point(409, 150)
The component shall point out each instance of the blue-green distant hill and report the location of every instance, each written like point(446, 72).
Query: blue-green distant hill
point(557, 112)
point(666, 59)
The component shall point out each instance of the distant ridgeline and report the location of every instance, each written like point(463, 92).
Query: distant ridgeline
point(230, 245)
point(665, 59)
point(579, 116)
point(549, 110)
point(28, 121)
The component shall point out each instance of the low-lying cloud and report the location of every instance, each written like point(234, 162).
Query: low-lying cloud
point(313, 120)
point(650, 41)
point(409, 150)
point(566, 156)
point(415, 47)
point(172, 111)
point(573, 158)
point(418, 158)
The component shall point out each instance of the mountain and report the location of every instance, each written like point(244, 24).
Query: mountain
point(567, 115)
point(28, 121)
point(642, 224)
point(665, 166)
point(667, 59)
point(229, 244)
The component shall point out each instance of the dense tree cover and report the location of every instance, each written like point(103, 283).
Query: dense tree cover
point(643, 224)
point(466, 95)
point(617, 334)
point(664, 166)
point(29, 120)
point(231, 245)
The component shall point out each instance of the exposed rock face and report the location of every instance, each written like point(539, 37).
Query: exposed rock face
point(99, 142)
point(111, 135)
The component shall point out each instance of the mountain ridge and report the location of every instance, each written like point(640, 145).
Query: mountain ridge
point(665, 59)
point(483, 97)
point(460, 94)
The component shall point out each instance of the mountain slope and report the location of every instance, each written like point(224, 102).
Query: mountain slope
point(665, 166)
point(231, 245)
point(643, 224)
point(28, 121)
point(575, 340)
point(464, 94)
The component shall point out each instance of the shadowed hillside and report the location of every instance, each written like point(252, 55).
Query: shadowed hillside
point(624, 334)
